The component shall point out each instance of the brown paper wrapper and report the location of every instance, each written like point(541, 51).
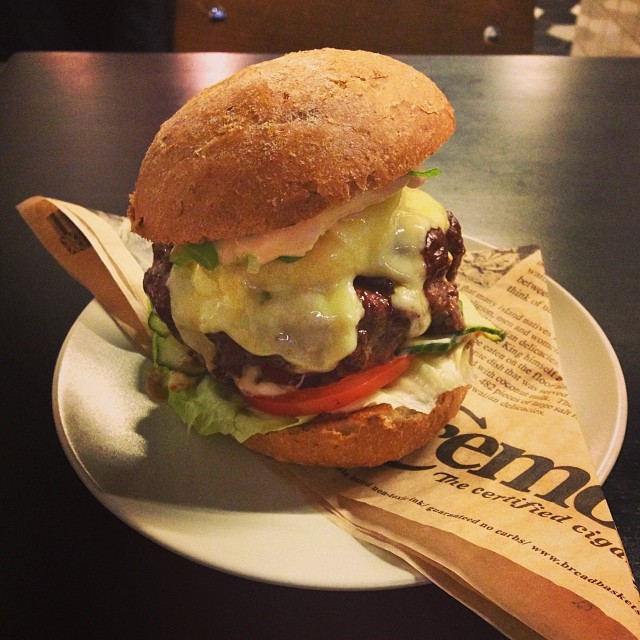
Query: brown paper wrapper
point(503, 509)
point(89, 247)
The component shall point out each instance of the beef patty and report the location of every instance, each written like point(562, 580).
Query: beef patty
point(381, 331)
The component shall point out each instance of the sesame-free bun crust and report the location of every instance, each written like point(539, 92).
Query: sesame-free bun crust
point(280, 141)
point(367, 437)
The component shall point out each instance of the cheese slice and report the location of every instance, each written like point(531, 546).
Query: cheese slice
point(307, 311)
point(299, 238)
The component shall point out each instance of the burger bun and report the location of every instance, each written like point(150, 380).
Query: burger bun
point(282, 140)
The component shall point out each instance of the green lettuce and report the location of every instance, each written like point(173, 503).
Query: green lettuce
point(211, 407)
point(428, 173)
point(204, 254)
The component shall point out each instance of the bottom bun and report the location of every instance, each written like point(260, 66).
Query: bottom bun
point(367, 437)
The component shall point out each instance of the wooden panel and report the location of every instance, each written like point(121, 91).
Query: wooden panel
point(387, 26)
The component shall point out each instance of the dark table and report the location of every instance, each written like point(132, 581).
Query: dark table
point(547, 152)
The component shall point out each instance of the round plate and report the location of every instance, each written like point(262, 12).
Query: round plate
point(215, 502)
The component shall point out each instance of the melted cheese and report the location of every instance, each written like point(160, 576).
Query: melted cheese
point(299, 238)
point(307, 311)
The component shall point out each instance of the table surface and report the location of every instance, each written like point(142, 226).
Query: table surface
point(547, 152)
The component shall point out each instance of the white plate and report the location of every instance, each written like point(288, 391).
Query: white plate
point(217, 503)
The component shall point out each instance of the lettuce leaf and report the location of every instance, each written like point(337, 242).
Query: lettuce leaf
point(428, 173)
point(213, 407)
point(204, 254)
point(428, 376)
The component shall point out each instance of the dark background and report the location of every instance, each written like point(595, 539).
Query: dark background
point(85, 25)
point(147, 25)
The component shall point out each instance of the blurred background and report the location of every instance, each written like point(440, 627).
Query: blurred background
point(545, 27)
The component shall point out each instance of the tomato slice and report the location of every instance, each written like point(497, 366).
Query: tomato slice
point(339, 394)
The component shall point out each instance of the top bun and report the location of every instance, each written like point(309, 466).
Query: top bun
point(280, 141)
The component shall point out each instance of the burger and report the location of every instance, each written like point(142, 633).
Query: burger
point(302, 292)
